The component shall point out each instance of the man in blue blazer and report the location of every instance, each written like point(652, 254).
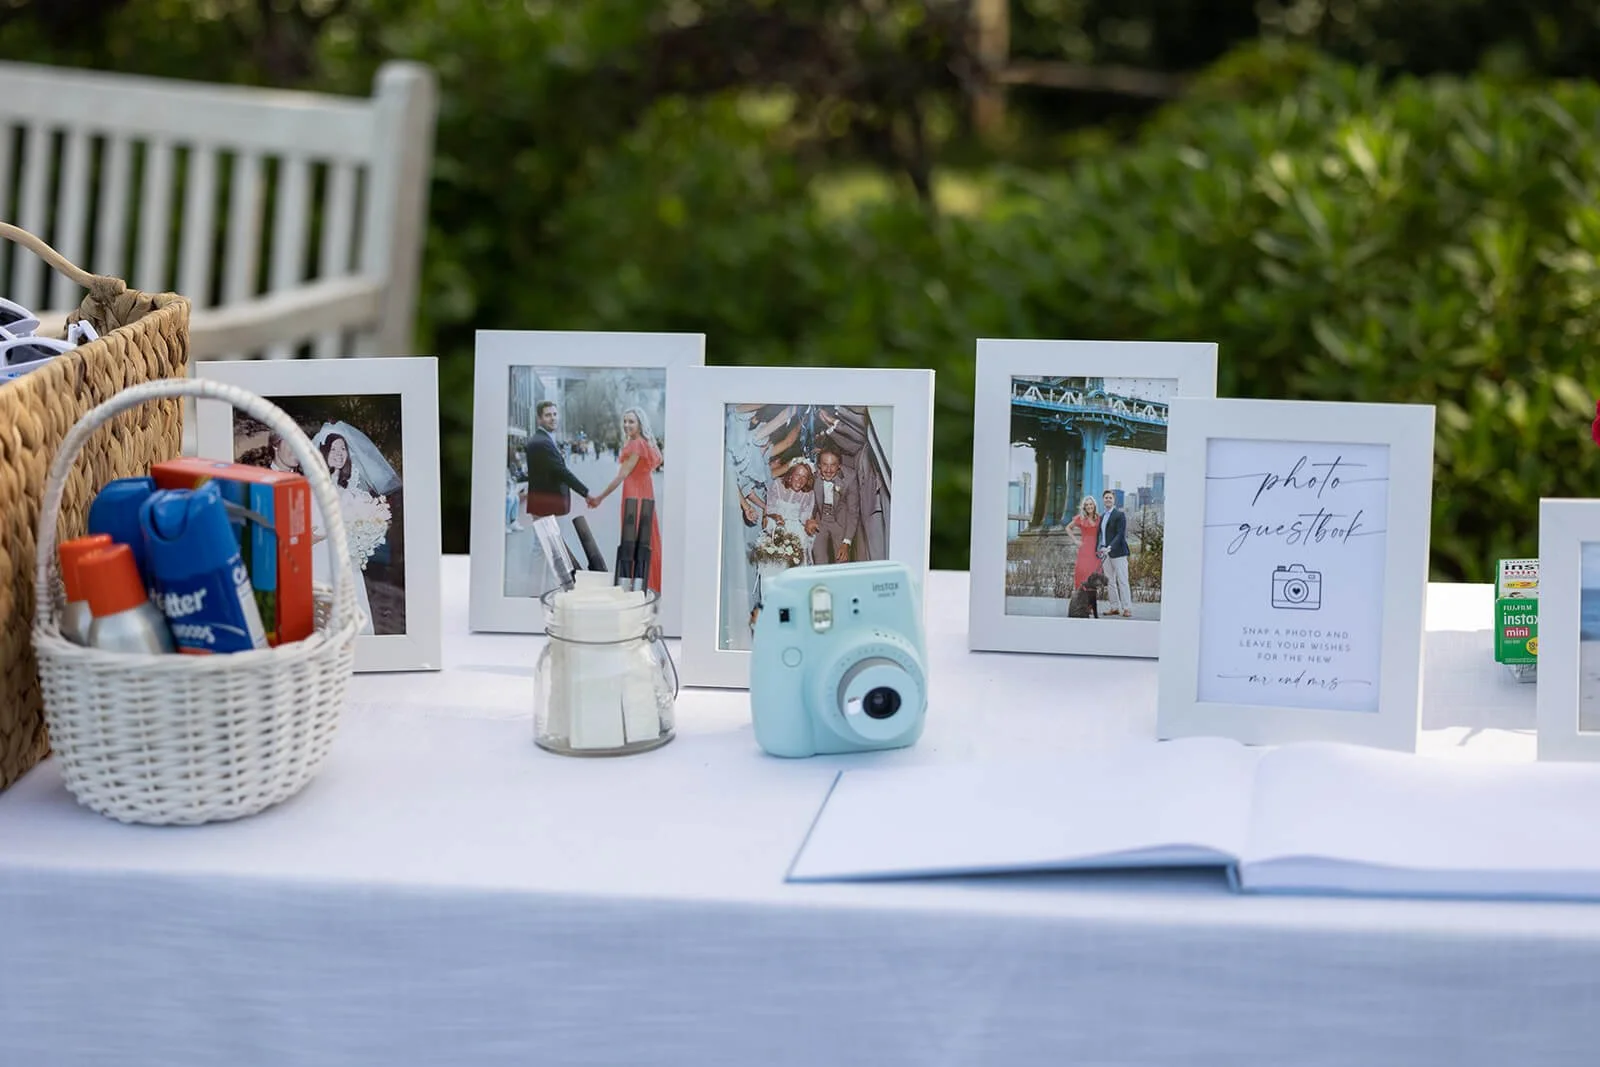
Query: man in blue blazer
point(1114, 551)
point(550, 482)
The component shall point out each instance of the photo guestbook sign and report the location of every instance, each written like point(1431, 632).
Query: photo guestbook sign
point(1292, 573)
point(1296, 571)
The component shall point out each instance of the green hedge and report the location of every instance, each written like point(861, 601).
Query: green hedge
point(1421, 241)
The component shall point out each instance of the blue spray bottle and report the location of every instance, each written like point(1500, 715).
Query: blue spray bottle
point(197, 577)
point(115, 511)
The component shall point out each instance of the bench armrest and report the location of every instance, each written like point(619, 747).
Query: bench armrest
point(288, 317)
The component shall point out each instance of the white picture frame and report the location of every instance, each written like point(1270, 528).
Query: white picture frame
point(503, 598)
point(1566, 529)
point(899, 463)
point(1333, 653)
point(303, 386)
point(1035, 383)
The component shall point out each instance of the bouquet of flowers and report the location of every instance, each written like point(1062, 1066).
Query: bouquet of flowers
point(366, 524)
point(778, 545)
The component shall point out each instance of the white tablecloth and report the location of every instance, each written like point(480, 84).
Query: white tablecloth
point(446, 893)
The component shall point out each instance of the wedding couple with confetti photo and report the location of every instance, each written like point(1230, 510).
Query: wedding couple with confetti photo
point(805, 484)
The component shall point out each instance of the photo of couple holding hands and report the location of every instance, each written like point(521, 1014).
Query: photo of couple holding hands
point(544, 482)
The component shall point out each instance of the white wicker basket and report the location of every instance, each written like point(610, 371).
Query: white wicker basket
point(177, 739)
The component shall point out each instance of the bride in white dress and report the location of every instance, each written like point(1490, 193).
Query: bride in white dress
point(362, 479)
point(791, 505)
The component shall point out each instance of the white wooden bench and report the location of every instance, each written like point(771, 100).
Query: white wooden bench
point(288, 219)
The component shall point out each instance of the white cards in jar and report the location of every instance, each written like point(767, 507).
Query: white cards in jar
point(601, 695)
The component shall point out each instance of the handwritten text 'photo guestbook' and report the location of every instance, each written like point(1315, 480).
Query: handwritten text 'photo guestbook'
point(1296, 571)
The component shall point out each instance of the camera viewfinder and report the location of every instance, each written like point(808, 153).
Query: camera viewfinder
point(821, 609)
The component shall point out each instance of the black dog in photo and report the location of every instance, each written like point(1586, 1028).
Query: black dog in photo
point(1085, 602)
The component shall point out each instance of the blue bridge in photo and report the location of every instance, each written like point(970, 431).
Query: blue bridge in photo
point(1069, 423)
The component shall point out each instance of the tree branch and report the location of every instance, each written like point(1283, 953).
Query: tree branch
point(1123, 81)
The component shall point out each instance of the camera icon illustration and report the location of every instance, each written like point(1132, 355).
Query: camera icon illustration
point(1297, 589)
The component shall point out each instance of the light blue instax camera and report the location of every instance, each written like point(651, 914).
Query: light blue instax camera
point(837, 661)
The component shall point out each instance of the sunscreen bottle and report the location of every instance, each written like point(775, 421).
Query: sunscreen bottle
point(124, 618)
point(115, 511)
point(76, 616)
point(197, 575)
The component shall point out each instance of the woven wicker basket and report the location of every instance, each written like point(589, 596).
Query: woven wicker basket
point(144, 337)
point(193, 739)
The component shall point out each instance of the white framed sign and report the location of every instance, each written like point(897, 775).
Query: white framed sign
point(794, 466)
point(1296, 571)
point(376, 422)
point(1069, 482)
point(584, 428)
point(1569, 630)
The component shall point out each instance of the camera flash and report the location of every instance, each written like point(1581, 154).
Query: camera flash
point(821, 609)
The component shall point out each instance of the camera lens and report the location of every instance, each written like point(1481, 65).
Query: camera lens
point(880, 703)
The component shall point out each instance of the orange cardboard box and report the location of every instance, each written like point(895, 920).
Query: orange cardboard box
point(275, 541)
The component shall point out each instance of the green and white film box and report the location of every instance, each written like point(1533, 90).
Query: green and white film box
point(1516, 611)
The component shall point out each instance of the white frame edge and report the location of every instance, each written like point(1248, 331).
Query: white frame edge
point(1564, 526)
point(416, 380)
point(1408, 431)
point(909, 392)
point(497, 351)
point(1192, 363)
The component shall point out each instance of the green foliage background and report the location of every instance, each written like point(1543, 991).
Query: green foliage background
point(1345, 231)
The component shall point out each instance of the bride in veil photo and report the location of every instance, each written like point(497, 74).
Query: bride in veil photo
point(363, 480)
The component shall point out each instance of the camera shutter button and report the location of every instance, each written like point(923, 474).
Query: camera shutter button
point(791, 657)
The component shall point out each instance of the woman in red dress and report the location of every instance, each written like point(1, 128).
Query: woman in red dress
point(637, 463)
point(1087, 523)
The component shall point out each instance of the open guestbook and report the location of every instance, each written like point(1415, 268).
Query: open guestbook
point(1302, 818)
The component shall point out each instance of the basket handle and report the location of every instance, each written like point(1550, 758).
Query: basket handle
point(60, 262)
point(47, 563)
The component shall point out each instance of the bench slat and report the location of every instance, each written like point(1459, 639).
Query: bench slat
point(155, 217)
point(27, 279)
point(199, 216)
point(336, 257)
point(7, 162)
point(72, 216)
point(116, 187)
point(289, 238)
point(240, 281)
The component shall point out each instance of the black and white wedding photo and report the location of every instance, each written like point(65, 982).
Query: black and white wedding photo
point(373, 426)
point(360, 440)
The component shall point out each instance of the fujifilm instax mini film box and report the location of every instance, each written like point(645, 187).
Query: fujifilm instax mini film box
point(1516, 611)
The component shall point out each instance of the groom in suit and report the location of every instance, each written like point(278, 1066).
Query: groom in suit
point(1114, 551)
point(550, 482)
point(838, 511)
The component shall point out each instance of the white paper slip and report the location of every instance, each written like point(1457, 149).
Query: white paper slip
point(1147, 804)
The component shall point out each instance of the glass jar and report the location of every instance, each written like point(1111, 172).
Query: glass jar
point(605, 684)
